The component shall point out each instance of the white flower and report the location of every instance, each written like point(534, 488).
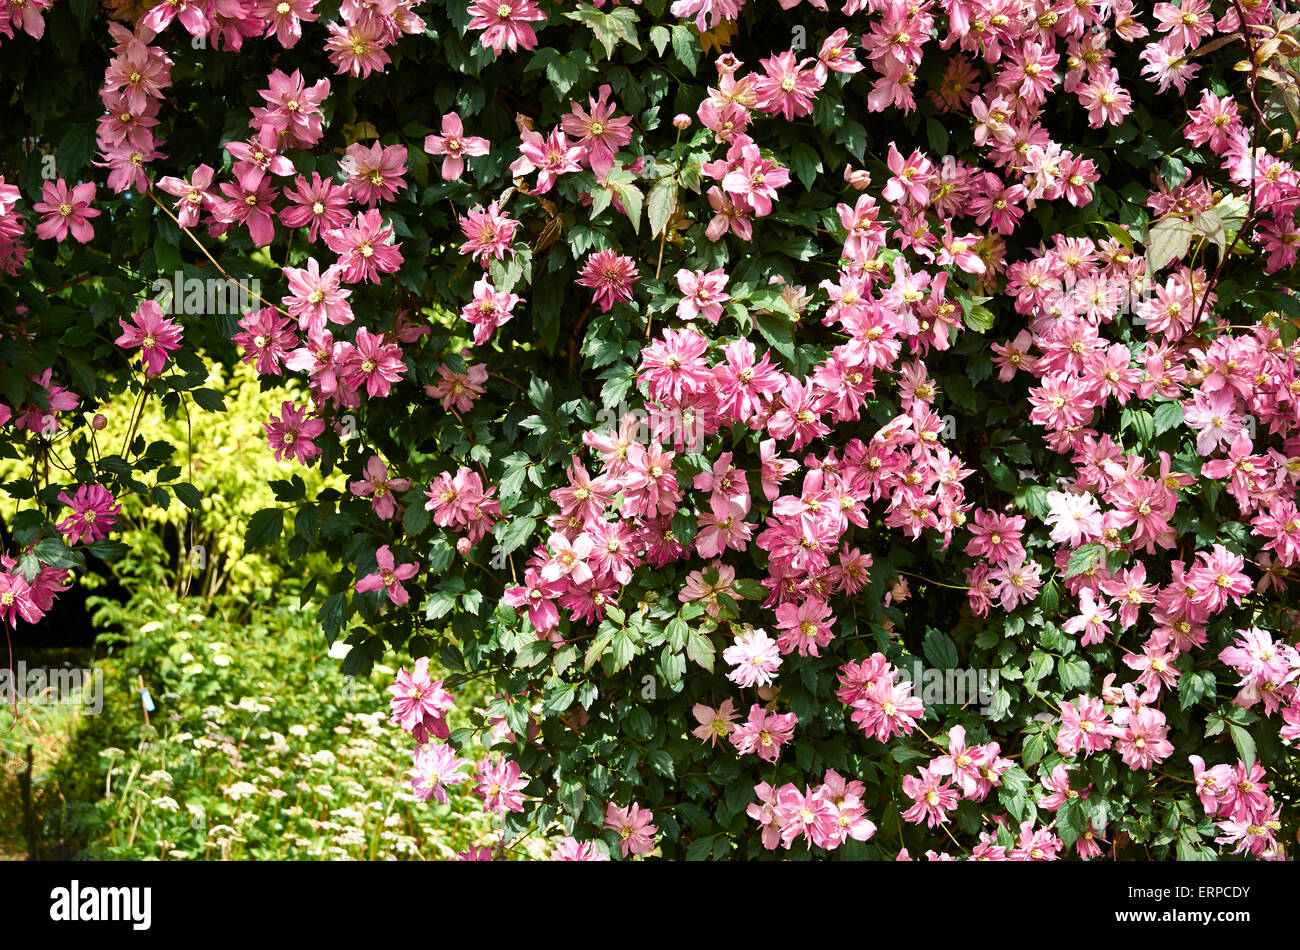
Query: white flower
point(159, 777)
point(1074, 517)
point(240, 790)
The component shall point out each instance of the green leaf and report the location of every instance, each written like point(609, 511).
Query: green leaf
point(699, 849)
point(778, 332)
point(1040, 665)
point(979, 318)
point(560, 699)
point(1071, 820)
point(107, 550)
point(533, 653)
point(677, 633)
point(1191, 687)
point(514, 533)
point(686, 47)
point(56, 553)
point(331, 615)
point(701, 650)
point(1083, 558)
point(1140, 421)
point(598, 648)
point(660, 204)
point(1245, 744)
point(1168, 415)
point(807, 164)
point(1167, 241)
point(937, 134)
point(563, 73)
point(940, 650)
point(188, 495)
point(264, 529)
point(209, 399)
point(660, 36)
point(1075, 673)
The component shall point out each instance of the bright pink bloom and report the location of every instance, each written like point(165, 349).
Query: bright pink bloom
point(155, 334)
point(389, 577)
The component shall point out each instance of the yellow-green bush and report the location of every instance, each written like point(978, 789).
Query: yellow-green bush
point(225, 456)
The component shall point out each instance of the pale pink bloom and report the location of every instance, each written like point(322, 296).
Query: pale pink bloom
point(1073, 518)
point(634, 827)
point(455, 145)
point(500, 782)
point(599, 132)
point(420, 704)
point(436, 767)
point(284, 18)
point(375, 173)
point(570, 849)
point(292, 434)
point(611, 275)
point(358, 48)
point(458, 391)
point(67, 211)
point(932, 795)
point(702, 294)
point(315, 298)
point(488, 310)
point(714, 724)
point(506, 23)
point(755, 658)
point(763, 733)
point(364, 248)
point(191, 195)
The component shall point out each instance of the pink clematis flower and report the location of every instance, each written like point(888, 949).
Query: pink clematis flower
point(67, 211)
point(375, 173)
point(292, 434)
point(634, 827)
point(155, 334)
point(389, 577)
point(599, 133)
point(506, 23)
point(379, 488)
point(94, 512)
point(455, 145)
point(611, 275)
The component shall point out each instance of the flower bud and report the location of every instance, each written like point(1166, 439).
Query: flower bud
point(99, 422)
point(727, 63)
point(859, 178)
point(681, 121)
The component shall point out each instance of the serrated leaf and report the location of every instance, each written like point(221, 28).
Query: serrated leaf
point(1083, 558)
point(1167, 241)
point(660, 204)
point(264, 529)
point(940, 650)
point(701, 650)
